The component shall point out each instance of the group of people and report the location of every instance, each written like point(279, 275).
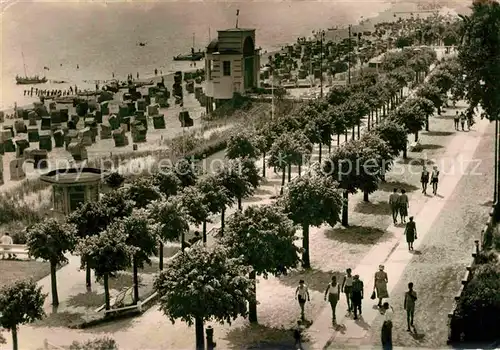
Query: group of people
point(462, 119)
point(353, 289)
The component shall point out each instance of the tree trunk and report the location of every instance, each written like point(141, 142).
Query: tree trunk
point(359, 130)
point(300, 170)
point(376, 116)
point(306, 259)
point(252, 305)
point(239, 203)
point(204, 229)
point(330, 147)
point(383, 109)
point(320, 149)
point(345, 208)
point(338, 140)
point(183, 241)
point(405, 151)
point(15, 346)
point(222, 217)
point(416, 136)
point(200, 336)
point(88, 279)
point(439, 110)
point(365, 196)
point(353, 132)
point(160, 254)
point(264, 164)
point(346, 132)
point(136, 281)
point(427, 122)
point(289, 172)
point(53, 283)
point(107, 301)
point(370, 116)
point(283, 177)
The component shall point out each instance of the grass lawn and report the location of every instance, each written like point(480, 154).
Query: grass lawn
point(16, 270)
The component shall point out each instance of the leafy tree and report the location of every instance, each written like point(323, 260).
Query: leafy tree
point(91, 218)
point(338, 94)
point(433, 94)
point(411, 117)
point(167, 182)
point(311, 200)
point(479, 55)
point(241, 145)
point(264, 237)
point(140, 235)
point(377, 159)
point(393, 134)
point(402, 42)
point(346, 166)
point(216, 197)
point(187, 172)
point(443, 79)
point(195, 205)
point(115, 180)
point(205, 284)
point(171, 222)
point(263, 141)
point(319, 130)
point(338, 122)
point(142, 191)
point(20, 303)
point(50, 240)
point(106, 253)
point(354, 110)
point(426, 107)
point(231, 176)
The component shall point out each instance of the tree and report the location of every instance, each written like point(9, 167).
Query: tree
point(140, 235)
point(443, 79)
point(193, 201)
point(338, 122)
point(311, 200)
point(167, 182)
point(50, 240)
point(264, 237)
point(263, 141)
point(411, 117)
point(426, 107)
point(142, 191)
point(231, 176)
point(20, 303)
point(319, 130)
point(202, 285)
point(393, 134)
point(346, 166)
point(376, 159)
point(241, 145)
point(187, 172)
point(171, 222)
point(115, 180)
point(103, 343)
point(91, 218)
point(433, 94)
point(106, 253)
point(216, 197)
point(479, 56)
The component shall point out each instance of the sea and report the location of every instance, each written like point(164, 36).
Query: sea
point(83, 41)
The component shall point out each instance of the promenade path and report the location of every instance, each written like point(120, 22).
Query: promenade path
point(447, 225)
point(157, 332)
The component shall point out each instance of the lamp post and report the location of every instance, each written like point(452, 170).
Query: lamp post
point(322, 36)
point(496, 183)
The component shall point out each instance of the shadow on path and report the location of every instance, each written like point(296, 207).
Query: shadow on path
point(415, 161)
point(356, 234)
point(261, 337)
point(438, 133)
point(430, 147)
point(391, 185)
point(315, 279)
point(380, 208)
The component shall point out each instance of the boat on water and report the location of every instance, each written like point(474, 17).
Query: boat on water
point(27, 80)
point(30, 80)
point(193, 56)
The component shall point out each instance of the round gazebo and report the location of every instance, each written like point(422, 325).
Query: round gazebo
point(74, 186)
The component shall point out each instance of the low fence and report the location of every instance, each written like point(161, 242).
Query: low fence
point(455, 335)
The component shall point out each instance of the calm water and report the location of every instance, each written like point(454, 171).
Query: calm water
point(103, 37)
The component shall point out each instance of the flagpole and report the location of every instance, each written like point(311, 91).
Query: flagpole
point(237, 15)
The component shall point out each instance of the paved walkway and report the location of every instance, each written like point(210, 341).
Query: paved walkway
point(394, 253)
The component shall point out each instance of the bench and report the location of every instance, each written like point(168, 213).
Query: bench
point(17, 249)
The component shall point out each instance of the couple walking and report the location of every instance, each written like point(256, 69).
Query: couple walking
point(352, 287)
point(399, 205)
point(434, 179)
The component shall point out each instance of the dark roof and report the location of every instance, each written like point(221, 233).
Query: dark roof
point(237, 30)
point(74, 175)
point(213, 46)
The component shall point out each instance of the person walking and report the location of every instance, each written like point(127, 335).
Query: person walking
point(409, 305)
point(7, 240)
point(347, 288)
point(380, 284)
point(411, 233)
point(456, 120)
point(297, 335)
point(462, 121)
point(302, 294)
point(403, 206)
point(434, 179)
point(333, 293)
point(386, 332)
point(357, 295)
point(394, 203)
point(424, 179)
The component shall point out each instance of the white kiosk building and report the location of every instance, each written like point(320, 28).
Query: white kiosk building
point(232, 65)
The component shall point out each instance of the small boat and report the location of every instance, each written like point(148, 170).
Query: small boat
point(26, 80)
point(142, 44)
point(193, 56)
point(59, 81)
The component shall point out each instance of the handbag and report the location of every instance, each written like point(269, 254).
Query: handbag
point(373, 296)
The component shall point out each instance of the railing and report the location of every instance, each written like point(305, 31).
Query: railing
point(17, 249)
